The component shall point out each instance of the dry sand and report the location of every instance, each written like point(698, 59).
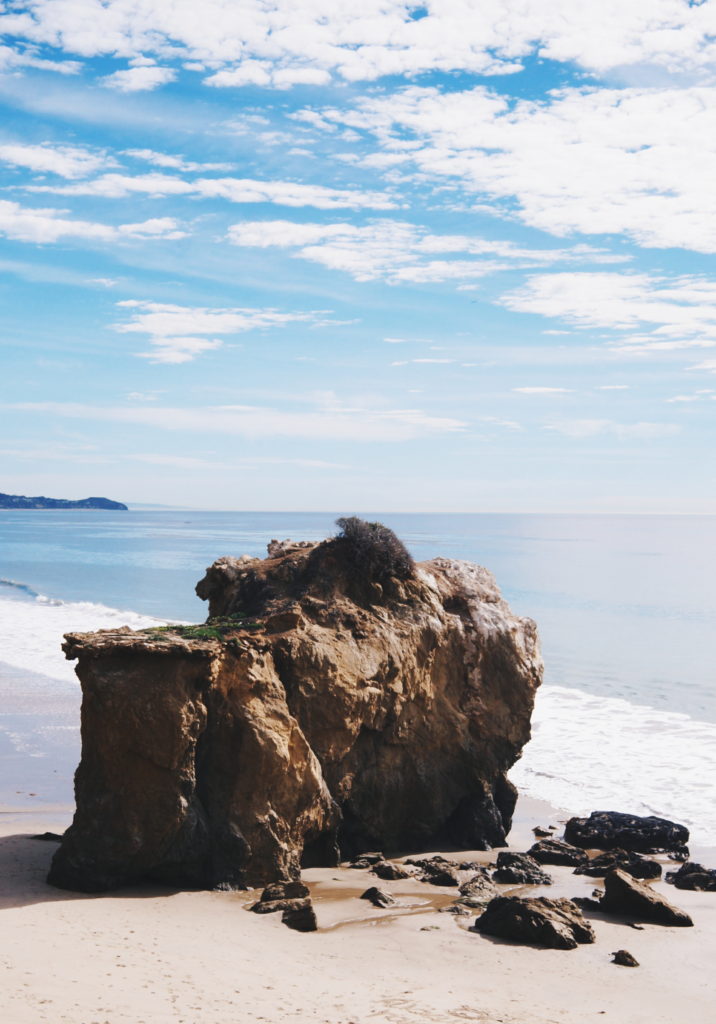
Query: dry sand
point(151, 955)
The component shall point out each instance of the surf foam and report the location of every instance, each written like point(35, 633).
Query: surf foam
point(604, 753)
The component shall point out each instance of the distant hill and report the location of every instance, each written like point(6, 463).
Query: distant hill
point(20, 501)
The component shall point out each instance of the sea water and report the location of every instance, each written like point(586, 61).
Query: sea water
point(625, 605)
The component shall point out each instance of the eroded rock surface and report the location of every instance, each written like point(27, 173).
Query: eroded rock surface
point(555, 851)
point(629, 897)
point(608, 830)
point(519, 869)
point(634, 865)
point(327, 713)
point(693, 876)
point(539, 921)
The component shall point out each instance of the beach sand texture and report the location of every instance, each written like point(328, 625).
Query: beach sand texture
point(145, 955)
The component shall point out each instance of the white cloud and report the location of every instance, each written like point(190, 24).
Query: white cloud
point(634, 161)
point(235, 190)
point(612, 387)
point(594, 427)
point(65, 161)
point(175, 163)
point(11, 59)
point(139, 79)
point(708, 364)
point(256, 42)
point(399, 252)
point(45, 226)
point(327, 420)
point(542, 391)
point(651, 314)
point(178, 334)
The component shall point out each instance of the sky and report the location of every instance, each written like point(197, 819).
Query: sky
point(453, 256)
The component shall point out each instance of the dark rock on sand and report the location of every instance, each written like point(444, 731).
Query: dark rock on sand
point(555, 851)
point(519, 869)
point(478, 889)
point(629, 897)
point(539, 921)
point(48, 837)
point(693, 876)
point(436, 870)
point(458, 909)
point(327, 707)
point(624, 958)
point(634, 864)
point(378, 897)
point(290, 890)
point(389, 871)
point(609, 830)
point(300, 916)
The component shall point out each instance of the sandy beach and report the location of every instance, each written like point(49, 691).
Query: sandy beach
point(147, 954)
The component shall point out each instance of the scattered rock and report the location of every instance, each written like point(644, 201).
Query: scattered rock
point(541, 833)
point(469, 865)
point(693, 876)
point(437, 870)
point(291, 890)
point(634, 864)
point(628, 896)
point(387, 870)
point(539, 921)
point(519, 869)
point(458, 909)
point(555, 851)
point(373, 857)
point(430, 928)
point(478, 889)
point(609, 830)
point(301, 916)
point(624, 958)
point(378, 897)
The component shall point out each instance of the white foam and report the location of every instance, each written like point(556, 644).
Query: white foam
point(603, 753)
point(31, 631)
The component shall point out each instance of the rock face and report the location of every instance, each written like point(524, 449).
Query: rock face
point(626, 896)
point(537, 921)
point(319, 713)
point(554, 851)
point(520, 869)
point(608, 830)
point(693, 876)
point(632, 863)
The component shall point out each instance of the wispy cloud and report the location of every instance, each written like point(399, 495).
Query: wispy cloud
point(65, 161)
point(344, 423)
point(45, 226)
point(400, 252)
point(178, 334)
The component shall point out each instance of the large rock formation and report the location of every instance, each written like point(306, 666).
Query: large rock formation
point(320, 712)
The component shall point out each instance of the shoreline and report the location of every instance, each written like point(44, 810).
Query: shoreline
point(145, 953)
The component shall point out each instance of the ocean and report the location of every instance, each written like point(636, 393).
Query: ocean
point(625, 605)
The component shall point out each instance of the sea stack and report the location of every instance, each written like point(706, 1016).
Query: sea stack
point(334, 702)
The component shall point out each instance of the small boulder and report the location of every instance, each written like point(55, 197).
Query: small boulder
point(437, 870)
point(300, 916)
point(555, 851)
point(458, 909)
point(536, 921)
point(478, 890)
point(609, 830)
point(284, 891)
point(373, 857)
point(624, 958)
point(387, 870)
point(634, 864)
point(628, 896)
point(519, 869)
point(378, 897)
point(693, 876)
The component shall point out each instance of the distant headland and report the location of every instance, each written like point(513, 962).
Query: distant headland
point(20, 501)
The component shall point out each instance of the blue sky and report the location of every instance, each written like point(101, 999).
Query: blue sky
point(455, 256)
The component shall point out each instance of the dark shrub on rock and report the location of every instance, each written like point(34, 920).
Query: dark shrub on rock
point(519, 869)
point(537, 921)
point(693, 876)
point(632, 863)
point(608, 830)
point(375, 550)
point(629, 897)
point(554, 851)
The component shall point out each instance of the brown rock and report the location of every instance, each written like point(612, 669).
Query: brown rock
point(378, 897)
point(633, 863)
point(300, 916)
point(631, 898)
point(624, 958)
point(233, 754)
point(554, 851)
point(538, 921)
point(387, 870)
point(519, 869)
